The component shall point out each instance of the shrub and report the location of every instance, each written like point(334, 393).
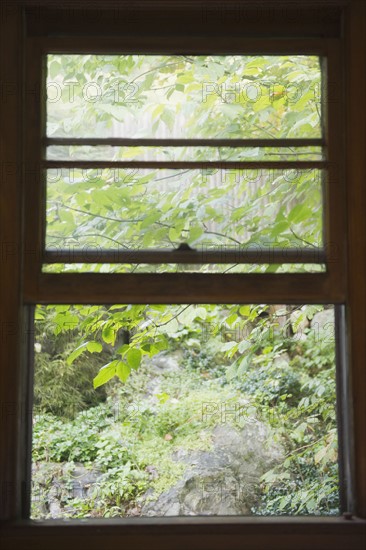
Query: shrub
point(65, 390)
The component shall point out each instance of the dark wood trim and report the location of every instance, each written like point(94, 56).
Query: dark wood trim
point(129, 142)
point(223, 42)
point(12, 432)
point(207, 17)
point(344, 414)
point(34, 189)
point(334, 222)
point(166, 533)
point(356, 207)
point(237, 254)
point(198, 288)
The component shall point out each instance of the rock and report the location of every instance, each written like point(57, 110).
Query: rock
point(166, 362)
point(136, 511)
point(223, 481)
point(323, 328)
point(55, 509)
point(56, 483)
point(159, 365)
point(323, 321)
point(84, 480)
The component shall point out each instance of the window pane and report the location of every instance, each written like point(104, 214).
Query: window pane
point(180, 96)
point(189, 268)
point(132, 209)
point(108, 153)
point(174, 410)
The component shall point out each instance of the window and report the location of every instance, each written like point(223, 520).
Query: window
point(338, 171)
point(184, 169)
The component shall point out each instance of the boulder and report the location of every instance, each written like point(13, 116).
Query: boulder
point(165, 362)
point(222, 481)
point(84, 480)
point(323, 320)
point(56, 483)
point(161, 364)
point(323, 327)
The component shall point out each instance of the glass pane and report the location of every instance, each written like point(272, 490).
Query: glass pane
point(184, 410)
point(109, 153)
point(181, 96)
point(135, 209)
point(183, 268)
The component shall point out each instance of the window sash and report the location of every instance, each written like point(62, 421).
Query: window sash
point(325, 287)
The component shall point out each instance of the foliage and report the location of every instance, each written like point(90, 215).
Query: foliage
point(235, 350)
point(60, 388)
point(288, 384)
point(57, 440)
point(128, 450)
point(275, 96)
point(305, 416)
point(142, 96)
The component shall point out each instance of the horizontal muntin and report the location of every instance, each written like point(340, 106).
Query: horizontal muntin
point(130, 142)
point(234, 165)
point(168, 288)
point(260, 255)
point(178, 153)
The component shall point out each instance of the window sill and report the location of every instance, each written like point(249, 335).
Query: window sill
point(163, 533)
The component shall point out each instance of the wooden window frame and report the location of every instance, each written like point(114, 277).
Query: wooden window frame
point(341, 26)
point(201, 287)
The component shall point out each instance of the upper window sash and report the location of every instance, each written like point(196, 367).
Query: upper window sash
point(331, 253)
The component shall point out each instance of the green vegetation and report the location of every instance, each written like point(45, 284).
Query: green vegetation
point(183, 97)
point(288, 384)
point(95, 365)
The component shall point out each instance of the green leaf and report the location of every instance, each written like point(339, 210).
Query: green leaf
point(173, 234)
point(149, 220)
point(269, 476)
point(170, 329)
point(244, 346)
point(299, 213)
point(244, 311)
point(94, 347)
point(123, 349)
point(134, 358)
point(105, 374)
point(227, 346)
point(272, 268)
point(284, 501)
point(108, 334)
point(78, 351)
point(195, 233)
point(39, 315)
point(123, 371)
point(231, 319)
point(244, 364)
point(279, 228)
point(187, 316)
point(231, 371)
